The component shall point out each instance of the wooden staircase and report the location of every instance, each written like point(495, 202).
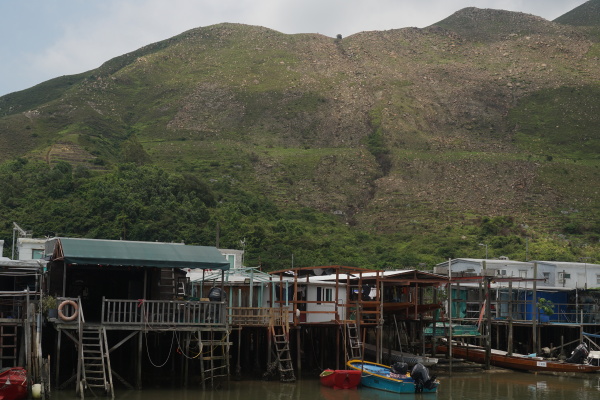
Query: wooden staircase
point(95, 370)
point(282, 348)
point(354, 342)
point(8, 345)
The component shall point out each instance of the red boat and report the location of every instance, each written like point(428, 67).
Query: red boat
point(340, 378)
point(13, 383)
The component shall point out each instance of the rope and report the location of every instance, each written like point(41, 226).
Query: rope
point(168, 356)
point(180, 349)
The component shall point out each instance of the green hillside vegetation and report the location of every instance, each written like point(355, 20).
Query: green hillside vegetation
point(399, 148)
point(584, 15)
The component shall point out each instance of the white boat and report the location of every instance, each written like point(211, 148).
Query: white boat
point(593, 358)
point(398, 356)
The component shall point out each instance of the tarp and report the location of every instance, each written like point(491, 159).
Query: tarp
point(137, 254)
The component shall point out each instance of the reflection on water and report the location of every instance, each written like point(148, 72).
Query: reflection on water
point(467, 386)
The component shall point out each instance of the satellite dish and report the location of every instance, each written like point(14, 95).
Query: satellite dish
point(318, 271)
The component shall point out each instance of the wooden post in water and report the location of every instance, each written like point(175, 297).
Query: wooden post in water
point(299, 350)
point(510, 319)
point(138, 377)
point(450, 356)
point(186, 367)
point(337, 349)
point(435, 314)
point(534, 310)
point(488, 322)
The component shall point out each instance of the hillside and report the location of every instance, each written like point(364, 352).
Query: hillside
point(481, 127)
point(587, 14)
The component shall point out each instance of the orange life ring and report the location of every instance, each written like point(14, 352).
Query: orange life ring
point(70, 317)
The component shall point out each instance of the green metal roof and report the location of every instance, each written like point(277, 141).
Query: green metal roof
point(138, 254)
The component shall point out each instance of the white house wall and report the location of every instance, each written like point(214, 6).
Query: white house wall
point(27, 247)
point(578, 275)
point(311, 295)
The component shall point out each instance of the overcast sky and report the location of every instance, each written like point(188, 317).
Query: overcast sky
point(43, 39)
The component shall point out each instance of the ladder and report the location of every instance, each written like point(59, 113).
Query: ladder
point(354, 343)
point(282, 349)
point(403, 334)
point(95, 368)
point(214, 361)
point(167, 285)
point(8, 345)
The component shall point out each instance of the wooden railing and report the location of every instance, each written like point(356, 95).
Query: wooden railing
point(161, 313)
point(258, 316)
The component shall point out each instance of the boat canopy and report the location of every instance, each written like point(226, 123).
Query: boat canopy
point(136, 254)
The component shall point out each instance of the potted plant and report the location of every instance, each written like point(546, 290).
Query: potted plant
point(49, 306)
point(546, 308)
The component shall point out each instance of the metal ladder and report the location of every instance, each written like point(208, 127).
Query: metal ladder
point(95, 368)
point(282, 349)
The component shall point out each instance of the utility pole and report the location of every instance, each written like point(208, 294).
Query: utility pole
point(486, 249)
point(22, 233)
point(534, 309)
point(488, 322)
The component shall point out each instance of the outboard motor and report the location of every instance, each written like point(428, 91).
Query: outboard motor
point(579, 354)
point(366, 291)
point(216, 294)
point(400, 368)
point(420, 375)
point(215, 311)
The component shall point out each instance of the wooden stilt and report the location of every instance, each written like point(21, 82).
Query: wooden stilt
point(186, 366)
point(57, 365)
point(337, 348)
point(138, 377)
point(299, 350)
point(202, 372)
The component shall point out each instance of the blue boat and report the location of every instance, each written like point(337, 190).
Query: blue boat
point(382, 377)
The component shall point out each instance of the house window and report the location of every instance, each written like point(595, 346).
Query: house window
point(562, 277)
point(37, 254)
point(522, 273)
point(598, 279)
point(231, 259)
point(324, 294)
point(546, 276)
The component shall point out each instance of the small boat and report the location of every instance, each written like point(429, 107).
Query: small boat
point(593, 358)
point(13, 383)
point(382, 377)
point(519, 362)
point(442, 329)
point(395, 355)
point(340, 378)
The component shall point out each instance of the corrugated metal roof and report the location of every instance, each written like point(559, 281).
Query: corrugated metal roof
point(138, 254)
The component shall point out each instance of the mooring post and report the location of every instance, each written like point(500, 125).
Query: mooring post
point(510, 319)
point(488, 312)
